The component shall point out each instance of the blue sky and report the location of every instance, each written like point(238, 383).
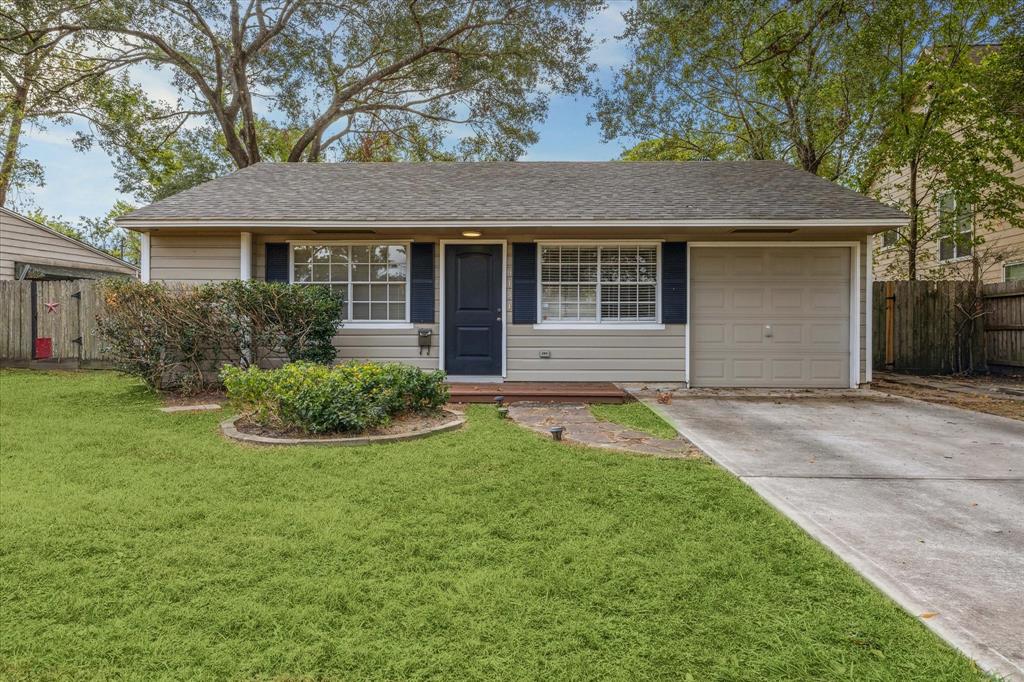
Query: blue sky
point(82, 183)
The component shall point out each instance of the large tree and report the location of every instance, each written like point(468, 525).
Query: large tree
point(53, 70)
point(951, 131)
point(330, 71)
point(761, 79)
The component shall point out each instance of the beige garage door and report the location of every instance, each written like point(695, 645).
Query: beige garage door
point(770, 317)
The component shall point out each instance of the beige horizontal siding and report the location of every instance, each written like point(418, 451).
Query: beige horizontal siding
point(599, 354)
point(23, 241)
point(1001, 243)
point(192, 259)
point(385, 345)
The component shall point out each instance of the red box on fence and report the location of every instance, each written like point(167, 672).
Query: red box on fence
point(44, 348)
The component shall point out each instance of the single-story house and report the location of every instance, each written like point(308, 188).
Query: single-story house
point(725, 273)
point(32, 251)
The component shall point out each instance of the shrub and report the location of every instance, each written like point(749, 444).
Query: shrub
point(161, 334)
point(176, 338)
point(319, 399)
point(259, 320)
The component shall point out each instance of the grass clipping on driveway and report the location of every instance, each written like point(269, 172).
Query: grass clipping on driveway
point(142, 545)
point(634, 415)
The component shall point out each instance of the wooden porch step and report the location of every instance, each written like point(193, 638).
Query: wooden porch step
point(539, 392)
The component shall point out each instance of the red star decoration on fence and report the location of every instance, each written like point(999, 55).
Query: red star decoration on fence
point(51, 306)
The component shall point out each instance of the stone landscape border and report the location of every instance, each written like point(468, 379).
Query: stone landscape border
point(229, 430)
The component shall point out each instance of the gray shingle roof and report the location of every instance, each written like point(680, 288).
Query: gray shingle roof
point(519, 191)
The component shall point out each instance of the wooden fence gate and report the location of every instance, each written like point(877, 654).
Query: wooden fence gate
point(938, 328)
point(50, 322)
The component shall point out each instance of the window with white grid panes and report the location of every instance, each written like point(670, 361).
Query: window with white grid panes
point(370, 277)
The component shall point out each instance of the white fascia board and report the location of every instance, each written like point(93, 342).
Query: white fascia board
point(221, 223)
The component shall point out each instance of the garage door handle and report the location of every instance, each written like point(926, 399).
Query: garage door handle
point(767, 331)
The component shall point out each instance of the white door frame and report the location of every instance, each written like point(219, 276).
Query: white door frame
point(504, 308)
point(854, 247)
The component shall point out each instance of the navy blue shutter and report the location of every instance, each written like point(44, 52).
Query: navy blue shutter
point(421, 281)
point(673, 283)
point(524, 283)
point(277, 262)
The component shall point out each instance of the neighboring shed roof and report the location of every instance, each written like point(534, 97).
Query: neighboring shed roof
point(518, 191)
point(48, 253)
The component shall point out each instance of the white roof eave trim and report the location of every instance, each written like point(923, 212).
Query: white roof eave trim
point(248, 223)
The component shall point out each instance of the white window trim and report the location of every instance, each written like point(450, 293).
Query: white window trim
point(349, 323)
point(1009, 264)
point(854, 294)
point(629, 325)
point(957, 258)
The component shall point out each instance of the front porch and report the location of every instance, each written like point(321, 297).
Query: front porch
point(538, 392)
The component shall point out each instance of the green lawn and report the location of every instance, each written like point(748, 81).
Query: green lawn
point(635, 415)
point(140, 545)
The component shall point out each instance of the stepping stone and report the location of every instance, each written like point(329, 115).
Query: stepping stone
point(209, 407)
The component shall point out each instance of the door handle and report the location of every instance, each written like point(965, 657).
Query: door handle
point(767, 331)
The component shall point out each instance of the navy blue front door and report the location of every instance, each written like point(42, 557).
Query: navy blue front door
point(472, 314)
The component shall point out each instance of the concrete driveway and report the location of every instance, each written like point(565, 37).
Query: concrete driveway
point(924, 500)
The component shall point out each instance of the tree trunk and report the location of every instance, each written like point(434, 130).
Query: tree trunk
point(915, 223)
point(17, 109)
point(979, 363)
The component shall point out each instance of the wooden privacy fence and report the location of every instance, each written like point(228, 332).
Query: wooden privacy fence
point(50, 321)
point(942, 327)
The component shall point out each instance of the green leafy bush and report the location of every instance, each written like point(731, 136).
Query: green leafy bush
point(177, 338)
point(319, 399)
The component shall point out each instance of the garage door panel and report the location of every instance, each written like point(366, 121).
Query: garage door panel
point(785, 263)
point(833, 264)
point(747, 299)
point(745, 265)
point(803, 294)
point(830, 370)
point(789, 334)
point(834, 299)
point(748, 369)
point(710, 298)
point(711, 267)
point(828, 333)
point(712, 369)
point(748, 333)
point(787, 370)
point(787, 299)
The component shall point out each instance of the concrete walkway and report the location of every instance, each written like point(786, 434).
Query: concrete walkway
point(924, 500)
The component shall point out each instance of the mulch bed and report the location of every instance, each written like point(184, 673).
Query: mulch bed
point(403, 424)
point(977, 402)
